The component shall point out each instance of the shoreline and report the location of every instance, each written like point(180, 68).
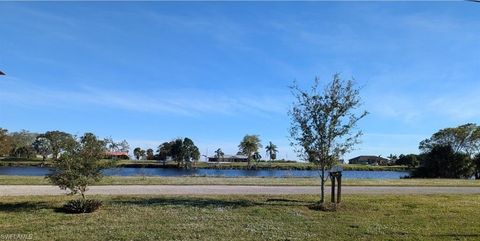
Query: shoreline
point(213, 166)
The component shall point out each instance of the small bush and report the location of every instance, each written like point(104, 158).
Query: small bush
point(82, 206)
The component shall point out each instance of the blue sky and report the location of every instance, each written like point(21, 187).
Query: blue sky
point(152, 71)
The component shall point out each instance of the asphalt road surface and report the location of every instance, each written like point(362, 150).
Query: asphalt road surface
point(26, 190)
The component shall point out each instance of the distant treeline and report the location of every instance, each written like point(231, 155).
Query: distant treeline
point(26, 144)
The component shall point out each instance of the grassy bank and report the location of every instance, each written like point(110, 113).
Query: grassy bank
point(234, 165)
point(361, 217)
point(138, 180)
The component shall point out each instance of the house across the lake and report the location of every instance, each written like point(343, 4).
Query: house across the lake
point(229, 158)
point(369, 160)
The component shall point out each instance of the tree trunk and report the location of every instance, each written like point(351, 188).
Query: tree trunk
point(322, 185)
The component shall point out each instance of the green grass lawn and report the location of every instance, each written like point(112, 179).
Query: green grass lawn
point(287, 217)
point(293, 181)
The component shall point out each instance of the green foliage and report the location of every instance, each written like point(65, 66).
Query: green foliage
point(189, 152)
point(23, 138)
point(42, 146)
point(410, 160)
point(149, 154)
point(476, 162)
point(451, 152)
point(6, 143)
point(249, 145)
point(23, 152)
point(271, 150)
point(256, 156)
point(22, 144)
point(464, 139)
point(184, 152)
point(219, 154)
point(79, 165)
point(59, 141)
point(443, 162)
point(322, 122)
point(82, 206)
point(138, 153)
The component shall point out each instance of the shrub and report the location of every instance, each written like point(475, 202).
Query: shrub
point(82, 206)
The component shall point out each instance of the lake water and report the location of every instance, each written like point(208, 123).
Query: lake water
point(171, 172)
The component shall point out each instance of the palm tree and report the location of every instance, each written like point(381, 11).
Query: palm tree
point(271, 150)
point(249, 145)
point(137, 152)
point(219, 154)
point(257, 157)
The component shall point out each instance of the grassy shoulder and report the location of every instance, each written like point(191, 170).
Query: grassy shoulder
point(279, 165)
point(237, 217)
point(139, 180)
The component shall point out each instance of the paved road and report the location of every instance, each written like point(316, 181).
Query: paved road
point(25, 190)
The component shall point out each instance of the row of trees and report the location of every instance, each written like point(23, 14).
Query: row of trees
point(25, 144)
point(28, 144)
point(250, 146)
point(183, 151)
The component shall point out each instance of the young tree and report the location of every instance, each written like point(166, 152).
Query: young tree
point(248, 146)
point(323, 122)
point(79, 166)
point(271, 150)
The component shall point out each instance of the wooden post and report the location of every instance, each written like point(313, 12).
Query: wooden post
point(332, 177)
point(339, 188)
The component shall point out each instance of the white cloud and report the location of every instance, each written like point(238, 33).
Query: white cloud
point(174, 101)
